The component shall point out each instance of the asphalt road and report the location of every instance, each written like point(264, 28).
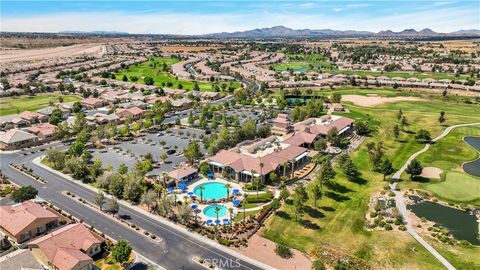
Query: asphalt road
point(173, 251)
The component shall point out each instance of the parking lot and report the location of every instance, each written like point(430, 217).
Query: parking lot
point(172, 142)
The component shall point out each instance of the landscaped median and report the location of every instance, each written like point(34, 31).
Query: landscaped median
point(163, 221)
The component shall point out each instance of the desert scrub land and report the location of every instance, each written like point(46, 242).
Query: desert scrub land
point(156, 69)
point(16, 105)
point(339, 219)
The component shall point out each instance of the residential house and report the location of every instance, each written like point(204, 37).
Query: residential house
point(20, 259)
point(24, 221)
point(45, 132)
point(68, 248)
point(134, 113)
point(16, 139)
point(33, 117)
point(92, 103)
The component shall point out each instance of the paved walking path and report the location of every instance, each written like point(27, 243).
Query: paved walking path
point(207, 241)
point(401, 202)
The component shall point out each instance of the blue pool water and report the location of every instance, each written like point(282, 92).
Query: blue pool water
point(212, 191)
point(209, 211)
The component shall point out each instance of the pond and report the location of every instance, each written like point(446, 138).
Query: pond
point(462, 225)
point(473, 167)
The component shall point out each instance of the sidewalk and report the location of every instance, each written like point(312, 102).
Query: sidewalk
point(37, 161)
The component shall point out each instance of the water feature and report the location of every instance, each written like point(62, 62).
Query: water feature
point(473, 167)
point(212, 191)
point(462, 225)
point(209, 211)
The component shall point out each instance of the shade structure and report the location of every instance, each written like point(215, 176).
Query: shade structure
point(171, 189)
point(182, 186)
point(194, 206)
point(236, 202)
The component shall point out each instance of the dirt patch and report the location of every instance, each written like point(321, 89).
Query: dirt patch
point(39, 54)
point(431, 172)
point(371, 101)
point(268, 256)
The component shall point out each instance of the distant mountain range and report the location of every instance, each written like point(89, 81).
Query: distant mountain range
point(285, 32)
point(94, 32)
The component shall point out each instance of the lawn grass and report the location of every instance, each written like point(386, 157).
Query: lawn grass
point(239, 216)
point(339, 219)
point(391, 74)
point(154, 69)
point(449, 154)
point(16, 105)
point(303, 61)
point(107, 263)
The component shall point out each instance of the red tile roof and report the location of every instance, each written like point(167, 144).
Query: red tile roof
point(16, 218)
point(63, 247)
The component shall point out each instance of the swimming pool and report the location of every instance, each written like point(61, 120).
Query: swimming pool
point(212, 191)
point(209, 211)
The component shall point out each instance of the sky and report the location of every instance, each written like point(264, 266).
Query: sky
point(186, 17)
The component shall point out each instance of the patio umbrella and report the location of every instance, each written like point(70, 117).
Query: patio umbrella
point(217, 221)
point(225, 220)
point(210, 175)
point(182, 186)
point(171, 189)
point(194, 206)
point(190, 193)
point(236, 191)
point(209, 221)
point(236, 202)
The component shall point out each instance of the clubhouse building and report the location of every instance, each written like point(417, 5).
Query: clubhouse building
point(288, 150)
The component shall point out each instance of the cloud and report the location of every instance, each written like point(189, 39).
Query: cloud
point(338, 9)
point(307, 5)
point(452, 18)
point(443, 3)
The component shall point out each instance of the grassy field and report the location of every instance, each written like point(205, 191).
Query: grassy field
point(449, 154)
point(303, 61)
point(339, 219)
point(420, 75)
point(154, 69)
point(32, 103)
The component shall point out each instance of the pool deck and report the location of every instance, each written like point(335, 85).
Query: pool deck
point(191, 186)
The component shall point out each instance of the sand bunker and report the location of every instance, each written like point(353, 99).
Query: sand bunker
point(431, 172)
point(371, 101)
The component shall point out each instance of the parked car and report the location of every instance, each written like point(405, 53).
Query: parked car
point(171, 152)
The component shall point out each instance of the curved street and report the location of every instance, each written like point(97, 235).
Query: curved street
point(400, 202)
point(173, 249)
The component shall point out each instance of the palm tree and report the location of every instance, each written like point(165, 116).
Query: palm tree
point(201, 188)
point(253, 172)
point(230, 210)
point(159, 189)
point(217, 209)
point(244, 203)
point(228, 186)
point(256, 181)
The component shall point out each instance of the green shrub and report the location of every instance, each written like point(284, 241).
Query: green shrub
point(318, 265)
point(283, 251)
